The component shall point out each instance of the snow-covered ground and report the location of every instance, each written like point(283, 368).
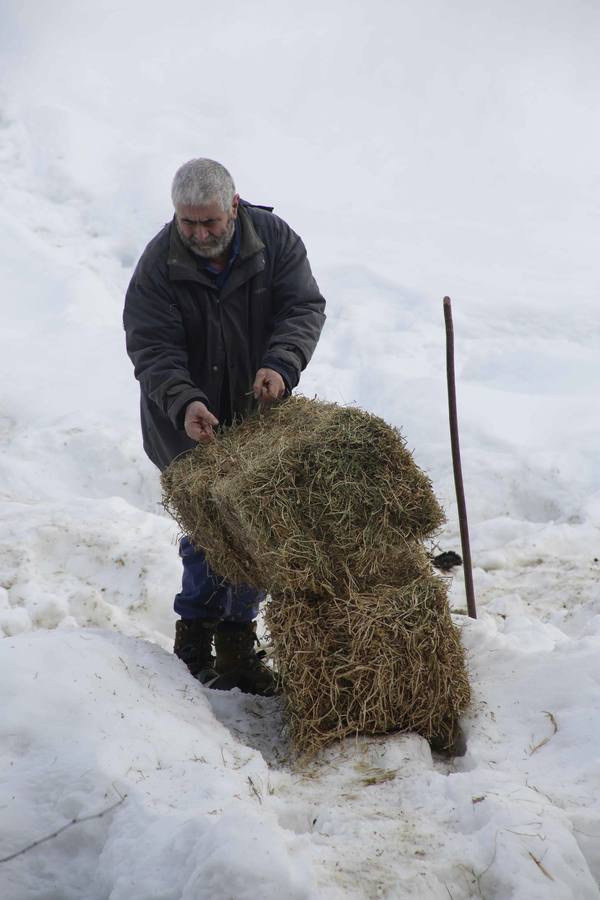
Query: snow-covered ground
point(420, 149)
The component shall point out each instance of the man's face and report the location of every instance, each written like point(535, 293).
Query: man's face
point(207, 230)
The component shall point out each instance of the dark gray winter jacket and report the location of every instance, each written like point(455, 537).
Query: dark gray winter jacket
point(190, 341)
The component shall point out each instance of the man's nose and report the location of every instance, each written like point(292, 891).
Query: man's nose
point(200, 232)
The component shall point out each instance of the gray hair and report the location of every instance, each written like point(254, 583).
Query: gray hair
point(200, 182)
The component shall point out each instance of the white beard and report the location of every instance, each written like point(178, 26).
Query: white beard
point(214, 246)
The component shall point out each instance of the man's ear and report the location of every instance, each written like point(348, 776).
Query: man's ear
point(234, 205)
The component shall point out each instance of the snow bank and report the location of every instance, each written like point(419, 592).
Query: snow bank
point(419, 152)
point(109, 717)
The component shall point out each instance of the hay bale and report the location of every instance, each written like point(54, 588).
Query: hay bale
point(325, 507)
point(369, 663)
point(308, 497)
point(186, 485)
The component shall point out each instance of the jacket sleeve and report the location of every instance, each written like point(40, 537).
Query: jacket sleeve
point(299, 308)
point(156, 344)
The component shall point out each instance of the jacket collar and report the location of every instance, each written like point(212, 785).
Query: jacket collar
point(251, 243)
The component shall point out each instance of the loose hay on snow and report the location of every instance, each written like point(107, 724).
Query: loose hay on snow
point(309, 496)
point(389, 659)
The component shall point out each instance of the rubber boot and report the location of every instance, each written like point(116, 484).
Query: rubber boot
point(238, 663)
point(193, 645)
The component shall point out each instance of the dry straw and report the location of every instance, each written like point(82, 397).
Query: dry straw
point(390, 659)
point(325, 507)
point(310, 496)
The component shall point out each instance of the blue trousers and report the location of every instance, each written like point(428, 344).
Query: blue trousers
point(205, 595)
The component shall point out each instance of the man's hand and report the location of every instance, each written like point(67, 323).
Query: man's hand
point(268, 386)
point(199, 422)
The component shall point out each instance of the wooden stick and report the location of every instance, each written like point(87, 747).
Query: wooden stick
point(458, 480)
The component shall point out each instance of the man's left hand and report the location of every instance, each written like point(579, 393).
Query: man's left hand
point(268, 386)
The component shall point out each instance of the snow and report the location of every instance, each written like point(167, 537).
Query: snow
point(419, 151)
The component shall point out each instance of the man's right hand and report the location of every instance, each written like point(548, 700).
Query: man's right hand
point(199, 422)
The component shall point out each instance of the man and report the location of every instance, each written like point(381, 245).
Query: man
point(222, 313)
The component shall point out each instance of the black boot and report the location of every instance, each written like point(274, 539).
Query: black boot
point(193, 645)
point(238, 663)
